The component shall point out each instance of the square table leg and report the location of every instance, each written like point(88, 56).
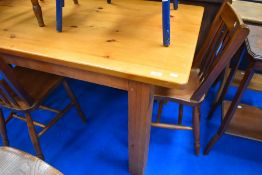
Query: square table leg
point(140, 102)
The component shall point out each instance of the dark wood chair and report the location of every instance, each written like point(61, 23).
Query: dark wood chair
point(59, 5)
point(38, 11)
point(226, 35)
point(24, 90)
point(13, 161)
point(245, 125)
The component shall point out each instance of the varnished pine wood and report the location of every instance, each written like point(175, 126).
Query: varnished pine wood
point(71, 72)
point(108, 52)
point(140, 103)
point(246, 122)
point(114, 47)
point(13, 161)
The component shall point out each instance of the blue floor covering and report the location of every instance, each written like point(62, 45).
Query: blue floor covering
point(99, 147)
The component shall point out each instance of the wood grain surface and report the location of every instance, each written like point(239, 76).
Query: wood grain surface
point(122, 39)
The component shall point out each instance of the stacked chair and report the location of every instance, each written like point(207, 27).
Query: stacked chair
point(226, 35)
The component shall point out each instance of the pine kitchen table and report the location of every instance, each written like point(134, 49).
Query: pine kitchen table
point(117, 47)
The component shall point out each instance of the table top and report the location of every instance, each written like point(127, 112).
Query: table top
point(254, 41)
point(123, 39)
point(249, 11)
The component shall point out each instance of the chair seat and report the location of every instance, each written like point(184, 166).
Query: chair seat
point(181, 95)
point(13, 161)
point(37, 84)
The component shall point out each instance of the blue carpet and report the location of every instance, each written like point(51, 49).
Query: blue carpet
point(100, 145)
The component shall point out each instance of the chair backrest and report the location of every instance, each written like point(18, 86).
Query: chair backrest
point(10, 89)
point(225, 37)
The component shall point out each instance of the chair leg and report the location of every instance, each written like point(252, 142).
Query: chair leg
point(59, 15)
point(3, 129)
point(109, 1)
point(38, 13)
point(76, 2)
point(180, 115)
point(175, 4)
point(220, 95)
point(33, 136)
point(74, 101)
point(230, 113)
point(196, 128)
point(160, 110)
point(226, 80)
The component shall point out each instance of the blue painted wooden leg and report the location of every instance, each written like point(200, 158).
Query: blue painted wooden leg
point(175, 4)
point(166, 22)
point(59, 15)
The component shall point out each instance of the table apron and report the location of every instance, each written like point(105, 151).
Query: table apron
point(80, 74)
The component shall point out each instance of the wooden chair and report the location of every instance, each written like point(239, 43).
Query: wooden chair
point(38, 11)
point(59, 13)
point(226, 35)
point(13, 161)
point(24, 90)
point(246, 120)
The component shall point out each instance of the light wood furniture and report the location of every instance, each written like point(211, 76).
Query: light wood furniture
point(24, 90)
point(13, 161)
point(113, 48)
point(255, 64)
point(226, 35)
